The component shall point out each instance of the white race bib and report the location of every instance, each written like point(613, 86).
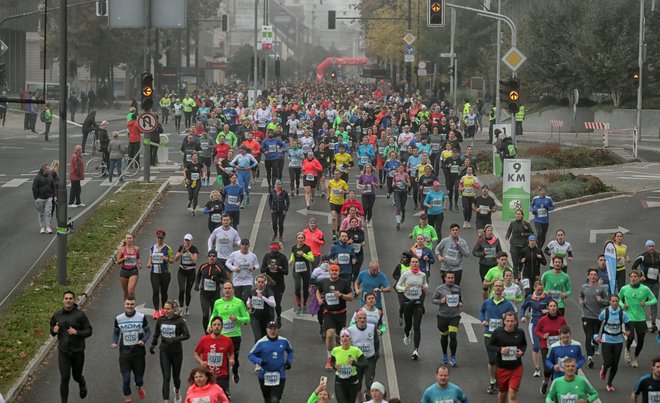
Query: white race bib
point(345, 371)
point(194, 176)
point(132, 261)
point(490, 251)
point(364, 347)
point(652, 273)
point(525, 283)
point(300, 267)
point(168, 331)
point(186, 259)
point(454, 169)
point(272, 148)
point(188, 157)
point(654, 397)
point(343, 258)
point(214, 359)
point(337, 192)
point(570, 398)
point(331, 299)
point(552, 340)
point(216, 217)
point(130, 338)
point(494, 324)
point(541, 212)
point(364, 160)
point(367, 188)
point(451, 254)
point(257, 303)
point(435, 146)
point(452, 300)
point(232, 199)
point(357, 246)
point(511, 356)
point(210, 285)
point(228, 326)
point(157, 258)
point(309, 177)
point(413, 292)
point(271, 378)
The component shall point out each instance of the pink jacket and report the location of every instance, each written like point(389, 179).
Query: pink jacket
point(211, 391)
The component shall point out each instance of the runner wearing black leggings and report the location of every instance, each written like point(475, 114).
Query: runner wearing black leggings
point(611, 339)
point(301, 259)
point(160, 257)
point(188, 255)
point(451, 167)
point(172, 329)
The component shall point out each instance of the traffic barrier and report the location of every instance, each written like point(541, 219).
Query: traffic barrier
point(604, 126)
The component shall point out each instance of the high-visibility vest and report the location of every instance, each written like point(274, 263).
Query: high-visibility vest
point(520, 115)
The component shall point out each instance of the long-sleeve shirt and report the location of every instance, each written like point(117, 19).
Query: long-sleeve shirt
point(540, 206)
point(449, 307)
point(76, 319)
point(558, 352)
point(492, 311)
point(272, 356)
point(412, 285)
point(172, 331)
point(590, 306)
point(453, 253)
point(242, 266)
point(224, 308)
point(551, 325)
point(518, 232)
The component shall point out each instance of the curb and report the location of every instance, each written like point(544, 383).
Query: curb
point(589, 198)
point(45, 349)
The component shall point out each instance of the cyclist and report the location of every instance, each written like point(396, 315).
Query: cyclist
point(161, 256)
point(211, 276)
point(188, 255)
point(448, 298)
point(130, 333)
point(172, 329)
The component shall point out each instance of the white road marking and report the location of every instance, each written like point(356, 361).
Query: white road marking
point(257, 220)
point(388, 352)
point(15, 182)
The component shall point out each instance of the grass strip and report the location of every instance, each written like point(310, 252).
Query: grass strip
point(25, 322)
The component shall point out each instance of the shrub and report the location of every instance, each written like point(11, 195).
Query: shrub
point(567, 189)
point(540, 163)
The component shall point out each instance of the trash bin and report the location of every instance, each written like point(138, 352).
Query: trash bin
point(164, 149)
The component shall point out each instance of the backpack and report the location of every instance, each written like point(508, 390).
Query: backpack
point(42, 116)
point(607, 317)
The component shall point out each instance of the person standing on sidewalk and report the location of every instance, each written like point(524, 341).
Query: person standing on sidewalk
point(48, 119)
point(133, 137)
point(648, 263)
point(43, 191)
point(77, 174)
point(71, 327)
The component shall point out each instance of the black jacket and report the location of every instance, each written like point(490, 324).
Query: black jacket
point(518, 232)
point(43, 186)
point(278, 202)
point(170, 342)
point(282, 267)
point(76, 319)
point(532, 265)
point(89, 123)
point(104, 140)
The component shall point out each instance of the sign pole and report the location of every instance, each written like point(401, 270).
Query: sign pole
point(147, 32)
point(62, 227)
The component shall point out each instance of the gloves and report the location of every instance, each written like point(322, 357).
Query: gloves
point(263, 363)
point(287, 365)
point(196, 288)
point(152, 349)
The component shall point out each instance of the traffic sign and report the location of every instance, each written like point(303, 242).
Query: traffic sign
point(408, 58)
point(267, 37)
point(421, 72)
point(410, 50)
point(147, 122)
point(3, 47)
point(447, 54)
point(409, 38)
point(514, 59)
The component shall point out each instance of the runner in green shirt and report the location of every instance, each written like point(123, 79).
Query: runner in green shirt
point(495, 273)
point(635, 297)
point(571, 388)
point(429, 233)
point(556, 283)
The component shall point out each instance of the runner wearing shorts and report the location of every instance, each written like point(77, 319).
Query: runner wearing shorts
point(509, 343)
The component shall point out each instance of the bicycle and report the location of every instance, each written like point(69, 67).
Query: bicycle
point(97, 168)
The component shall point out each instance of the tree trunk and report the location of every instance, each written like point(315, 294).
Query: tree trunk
point(616, 98)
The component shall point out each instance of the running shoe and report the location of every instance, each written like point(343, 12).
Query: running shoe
point(328, 364)
point(406, 340)
point(237, 378)
point(602, 373)
point(492, 389)
point(398, 227)
point(453, 361)
point(610, 388)
point(633, 362)
point(544, 387)
point(156, 314)
point(654, 329)
point(445, 359)
point(597, 350)
point(400, 321)
point(537, 373)
point(141, 393)
point(415, 355)
point(43, 230)
point(83, 390)
point(626, 355)
point(49, 230)
point(590, 362)
point(186, 311)
point(177, 397)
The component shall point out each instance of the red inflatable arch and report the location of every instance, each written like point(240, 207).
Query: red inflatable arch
point(340, 61)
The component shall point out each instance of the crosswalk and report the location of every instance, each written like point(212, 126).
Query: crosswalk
point(8, 183)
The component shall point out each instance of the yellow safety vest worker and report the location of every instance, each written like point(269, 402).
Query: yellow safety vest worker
point(520, 115)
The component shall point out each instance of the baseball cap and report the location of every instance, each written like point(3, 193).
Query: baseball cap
point(272, 323)
point(378, 386)
point(436, 183)
point(245, 241)
point(161, 233)
point(212, 252)
point(531, 238)
point(650, 243)
point(188, 237)
point(333, 267)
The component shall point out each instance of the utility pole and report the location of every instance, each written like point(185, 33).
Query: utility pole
point(256, 60)
point(409, 30)
point(62, 227)
point(146, 62)
point(497, 61)
point(640, 62)
point(266, 51)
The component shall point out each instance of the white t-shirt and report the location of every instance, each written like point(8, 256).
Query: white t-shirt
point(238, 260)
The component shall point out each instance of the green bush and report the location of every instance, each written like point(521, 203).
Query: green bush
point(567, 189)
point(540, 163)
point(584, 157)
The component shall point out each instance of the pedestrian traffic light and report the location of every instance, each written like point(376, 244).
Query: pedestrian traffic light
point(102, 8)
point(635, 77)
point(277, 67)
point(436, 13)
point(332, 19)
point(224, 22)
point(147, 91)
point(510, 94)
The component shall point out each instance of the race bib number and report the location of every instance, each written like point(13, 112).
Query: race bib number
point(652, 273)
point(494, 324)
point(437, 202)
point(189, 157)
point(307, 149)
point(205, 145)
point(194, 176)
point(483, 210)
point(413, 292)
point(157, 258)
point(228, 326)
point(210, 285)
point(426, 190)
point(203, 399)
point(337, 192)
point(654, 397)
point(229, 170)
point(331, 299)
point(613, 329)
point(435, 146)
point(300, 267)
point(401, 185)
point(271, 378)
point(295, 163)
point(345, 371)
point(511, 356)
point(214, 359)
point(216, 218)
point(453, 169)
point(451, 254)
point(232, 199)
point(556, 295)
point(525, 283)
point(552, 340)
point(168, 331)
point(225, 242)
point(367, 188)
point(381, 151)
point(186, 259)
point(469, 191)
point(257, 303)
point(364, 347)
point(364, 160)
point(343, 258)
point(452, 300)
point(309, 177)
point(490, 251)
point(272, 148)
point(130, 338)
point(541, 212)
point(357, 246)
point(132, 261)
point(570, 398)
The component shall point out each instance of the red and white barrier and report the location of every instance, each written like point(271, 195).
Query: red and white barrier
point(604, 126)
point(557, 123)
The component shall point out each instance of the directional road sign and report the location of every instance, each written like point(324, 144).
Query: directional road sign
point(3, 47)
point(147, 122)
point(410, 50)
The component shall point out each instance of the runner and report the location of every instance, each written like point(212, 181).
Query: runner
point(233, 313)
point(233, 196)
point(261, 306)
point(593, 298)
point(443, 390)
point(223, 240)
point(486, 249)
point(242, 263)
point(423, 254)
point(509, 343)
point(468, 185)
point(243, 164)
point(319, 274)
point(448, 297)
point(188, 255)
point(434, 205)
point(536, 303)
point(484, 206)
point(648, 263)
point(428, 233)
point(571, 387)
point(451, 166)
point(413, 285)
point(128, 256)
point(130, 334)
point(301, 258)
point(495, 273)
point(547, 330)
point(621, 259)
point(648, 385)
point(337, 190)
point(563, 349)
point(512, 291)
point(491, 314)
point(450, 253)
point(211, 276)
point(312, 171)
point(215, 352)
point(314, 239)
point(367, 183)
point(401, 184)
point(635, 298)
point(161, 256)
point(203, 388)
point(214, 208)
point(357, 242)
point(342, 161)
point(556, 283)
point(332, 294)
point(345, 360)
point(273, 356)
point(518, 235)
point(611, 338)
point(540, 206)
point(71, 327)
point(560, 248)
point(391, 167)
point(343, 254)
point(364, 336)
point(296, 157)
point(172, 329)
point(531, 259)
point(276, 266)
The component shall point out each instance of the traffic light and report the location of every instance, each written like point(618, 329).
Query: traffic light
point(510, 94)
point(277, 67)
point(436, 13)
point(102, 8)
point(450, 71)
point(333, 75)
point(147, 91)
point(635, 77)
point(332, 16)
point(224, 22)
